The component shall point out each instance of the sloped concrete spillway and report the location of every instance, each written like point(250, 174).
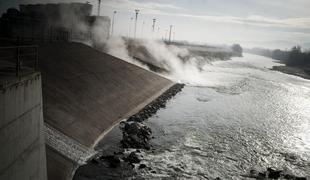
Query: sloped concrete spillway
point(85, 93)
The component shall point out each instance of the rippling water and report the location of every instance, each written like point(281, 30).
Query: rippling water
point(239, 116)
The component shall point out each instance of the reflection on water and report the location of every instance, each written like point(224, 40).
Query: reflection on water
point(241, 117)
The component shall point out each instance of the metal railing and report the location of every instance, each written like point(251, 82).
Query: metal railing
point(19, 59)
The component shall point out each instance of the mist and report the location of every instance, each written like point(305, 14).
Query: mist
point(178, 63)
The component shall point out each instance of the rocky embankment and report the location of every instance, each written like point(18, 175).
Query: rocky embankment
point(135, 137)
point(135, 133)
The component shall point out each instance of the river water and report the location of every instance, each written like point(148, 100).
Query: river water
point(239, 116)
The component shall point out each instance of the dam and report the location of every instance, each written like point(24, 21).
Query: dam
point(83, 100)
point(21, 128)
point(86, 93)
point(63, 106)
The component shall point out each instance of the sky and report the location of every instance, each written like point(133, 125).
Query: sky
point(267, 23)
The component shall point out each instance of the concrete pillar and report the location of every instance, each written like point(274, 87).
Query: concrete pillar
point(22, 151)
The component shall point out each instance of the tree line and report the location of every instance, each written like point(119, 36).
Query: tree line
point(293, 57)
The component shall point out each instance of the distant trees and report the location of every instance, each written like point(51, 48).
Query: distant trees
point(260, 51)
point(237, 50)
point(280, 55)
point(294, 57)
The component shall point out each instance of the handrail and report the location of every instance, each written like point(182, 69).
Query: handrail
point(23, 46)
point(18, 55)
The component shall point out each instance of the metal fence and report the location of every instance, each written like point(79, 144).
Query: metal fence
point(18, 60)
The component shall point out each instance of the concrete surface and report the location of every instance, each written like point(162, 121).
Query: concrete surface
point(58, 166)
point(86, 93)
point(22, 151)
point(67, 146)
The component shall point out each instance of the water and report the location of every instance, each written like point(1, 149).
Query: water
point(237, 116)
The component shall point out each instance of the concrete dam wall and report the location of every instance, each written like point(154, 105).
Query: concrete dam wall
point(85, 94)
point(21, 128)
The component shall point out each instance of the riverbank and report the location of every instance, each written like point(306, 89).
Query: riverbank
point(297, 71)
point(125, 144)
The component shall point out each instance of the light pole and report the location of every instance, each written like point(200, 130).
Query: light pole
point(130, 27)
point(99, 4)
point(153, 27)
point(142, 28)
point(170, 33)
point(113, 19)
point(137, 12)
point(157, 35)
point(154, 21)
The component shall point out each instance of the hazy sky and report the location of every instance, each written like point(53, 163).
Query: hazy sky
point(249, 22)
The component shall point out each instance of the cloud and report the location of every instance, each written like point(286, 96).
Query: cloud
point(146, 7)
point(302, 22)
point(173, 10)
point(254, 20)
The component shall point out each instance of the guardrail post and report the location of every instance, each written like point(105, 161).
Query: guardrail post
point(37, 58)
point(18, 53)
point(51, 34)
point(17, 61)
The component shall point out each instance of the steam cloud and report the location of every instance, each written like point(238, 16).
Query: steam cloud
point(180, 64)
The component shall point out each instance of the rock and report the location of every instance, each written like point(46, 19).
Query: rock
point(288, 176)
point(147, 147)
point(95, 161)
point(118, 153)
point(261, 175)
point(132, 158)
point(135, 135)
point(160, 102)
point(253, 173)
point(273, 173)
point(300, 178)
point(113, 161)
point(142, 166)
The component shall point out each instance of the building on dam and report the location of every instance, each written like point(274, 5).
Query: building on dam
point(53, 22)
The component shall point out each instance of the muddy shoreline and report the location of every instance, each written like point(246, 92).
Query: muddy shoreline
point(121, 159)
point(296, 71)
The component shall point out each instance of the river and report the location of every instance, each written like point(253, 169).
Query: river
point(233, 117)
point(242, 116)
